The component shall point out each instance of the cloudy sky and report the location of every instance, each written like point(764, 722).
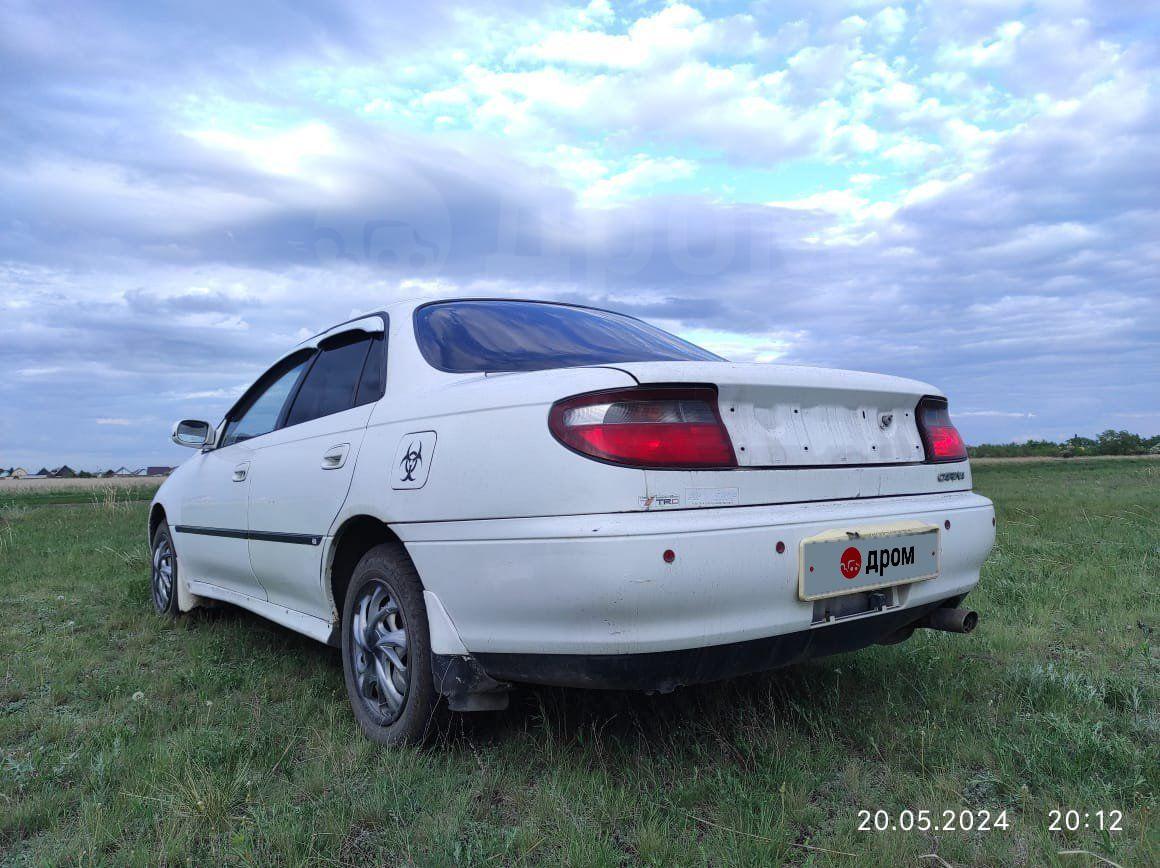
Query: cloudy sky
point(967, 193)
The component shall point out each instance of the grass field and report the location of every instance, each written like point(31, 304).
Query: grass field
point(91, 492)
point(222, 738)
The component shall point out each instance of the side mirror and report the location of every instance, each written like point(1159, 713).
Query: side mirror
point(192, 433)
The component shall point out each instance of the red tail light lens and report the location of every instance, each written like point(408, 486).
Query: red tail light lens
point(645, 427)
point(939, 435)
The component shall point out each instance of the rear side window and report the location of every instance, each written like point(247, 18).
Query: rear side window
point(475, 336)
point(332, 381)
point(370, 387)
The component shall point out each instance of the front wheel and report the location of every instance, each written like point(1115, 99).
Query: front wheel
point(163, 581)
point(386, 651)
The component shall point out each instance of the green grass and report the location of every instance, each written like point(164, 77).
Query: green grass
point(94, 494)
point(222, 738)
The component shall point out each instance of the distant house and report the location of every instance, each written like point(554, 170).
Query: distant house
point(158, 471)
point(122, 471)
point(17, 473)
point(63, 472)
point(5, 474)
point(42, 472)
point(108, 474)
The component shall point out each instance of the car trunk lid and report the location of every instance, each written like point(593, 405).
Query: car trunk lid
point(796, 416)
point(802, 433)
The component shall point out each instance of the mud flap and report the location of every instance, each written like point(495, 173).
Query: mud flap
point(467, 687)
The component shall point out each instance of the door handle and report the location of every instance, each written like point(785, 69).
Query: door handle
point(335, 456)
point(240, 471)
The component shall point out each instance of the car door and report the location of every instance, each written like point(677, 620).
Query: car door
point(215, 502)
point(300, 475)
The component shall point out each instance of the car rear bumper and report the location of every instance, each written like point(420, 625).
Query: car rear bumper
point(582, 587)
point(664, 671)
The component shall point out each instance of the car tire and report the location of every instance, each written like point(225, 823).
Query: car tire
point(163, 574)
point(386, 649)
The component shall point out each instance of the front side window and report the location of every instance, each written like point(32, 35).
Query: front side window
point(259, 413)
point(332, 381)
point(478, 336)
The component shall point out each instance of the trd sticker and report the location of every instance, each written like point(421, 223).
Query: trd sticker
point(657, 500)
point(413, 459)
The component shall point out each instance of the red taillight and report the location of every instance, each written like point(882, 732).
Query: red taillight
point(645, 427)
point(939, 435)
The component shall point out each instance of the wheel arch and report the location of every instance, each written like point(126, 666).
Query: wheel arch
point(186, 600)
point(157, 515)
point(354, 538)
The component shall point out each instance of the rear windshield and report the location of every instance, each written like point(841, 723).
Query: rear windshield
point(472, 336)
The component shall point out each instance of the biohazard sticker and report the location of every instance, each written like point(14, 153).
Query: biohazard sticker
point(413, 460)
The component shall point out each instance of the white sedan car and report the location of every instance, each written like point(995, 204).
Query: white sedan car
point(467, 494)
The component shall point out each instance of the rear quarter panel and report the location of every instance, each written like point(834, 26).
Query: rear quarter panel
point(493, 457)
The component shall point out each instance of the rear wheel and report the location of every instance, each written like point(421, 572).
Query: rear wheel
point(163, 580)
point(386, 651)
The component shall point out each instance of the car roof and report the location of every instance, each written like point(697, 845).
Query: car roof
point(410, 304)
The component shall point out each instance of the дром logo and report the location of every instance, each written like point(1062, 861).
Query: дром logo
point(851, 563)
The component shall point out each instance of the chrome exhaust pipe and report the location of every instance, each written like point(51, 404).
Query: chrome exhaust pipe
point(950, 620)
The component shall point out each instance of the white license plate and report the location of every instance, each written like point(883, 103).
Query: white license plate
point(846, 560)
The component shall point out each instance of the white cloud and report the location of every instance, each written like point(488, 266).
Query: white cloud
point(673, 34)
point(912, 151)
point(642, 174)
point(111, 198)
point(997, 50)
point(889, 23)
point(931, 189)
point(856, 137)
point(820, 69)
point(1038, 241)
point(112, 421)
point(597, 12)
point(211, 394)
point(580, 167)
point(848, 27)
point(282, 152)
point(835, 201)
point(739, 346)
point(994, 414)
point(728, 108)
